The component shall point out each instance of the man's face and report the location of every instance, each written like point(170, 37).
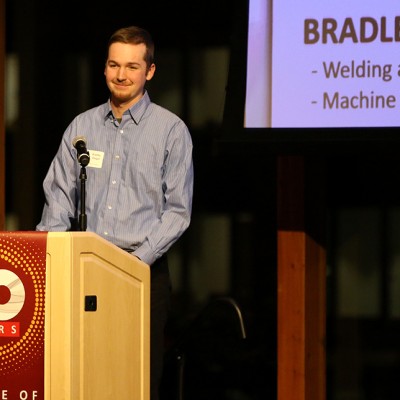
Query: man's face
point(126, 72)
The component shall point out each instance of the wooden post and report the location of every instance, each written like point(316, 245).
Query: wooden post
point(2, 114)
point(301, 280)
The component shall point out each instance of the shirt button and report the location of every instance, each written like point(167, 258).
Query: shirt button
point(106, 233)
point(114, 182)
point(117, 157)
point(109, 207)
point(121, 131)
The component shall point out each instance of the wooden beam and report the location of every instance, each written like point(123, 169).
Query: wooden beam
point(2, 114)
point(301, 280)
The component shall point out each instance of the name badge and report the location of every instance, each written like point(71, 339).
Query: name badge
point(96, 158)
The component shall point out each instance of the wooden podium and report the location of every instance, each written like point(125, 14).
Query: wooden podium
point(97, 320)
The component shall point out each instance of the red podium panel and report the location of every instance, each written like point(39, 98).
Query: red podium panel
point(22, 314)
point(83, 329)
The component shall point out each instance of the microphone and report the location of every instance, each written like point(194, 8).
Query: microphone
point(83, 154)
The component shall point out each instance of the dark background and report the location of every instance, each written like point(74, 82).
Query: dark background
point(235, 176)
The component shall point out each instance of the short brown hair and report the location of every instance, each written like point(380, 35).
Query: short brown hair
point(135, 35)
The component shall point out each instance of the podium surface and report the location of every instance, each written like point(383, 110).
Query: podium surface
point(97, 320)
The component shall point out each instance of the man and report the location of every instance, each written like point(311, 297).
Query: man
point(139, 182)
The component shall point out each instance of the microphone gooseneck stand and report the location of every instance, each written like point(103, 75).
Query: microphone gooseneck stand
point(82, 216)
point(84, 161)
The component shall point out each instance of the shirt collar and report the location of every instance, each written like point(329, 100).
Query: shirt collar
point(136, 111)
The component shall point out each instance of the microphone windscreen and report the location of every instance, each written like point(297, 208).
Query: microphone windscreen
point(78, 139)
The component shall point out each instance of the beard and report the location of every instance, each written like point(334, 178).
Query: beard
point(121, 95)
point(124, 94)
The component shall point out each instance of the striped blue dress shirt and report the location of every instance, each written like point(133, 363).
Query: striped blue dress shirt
point(139, 182)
